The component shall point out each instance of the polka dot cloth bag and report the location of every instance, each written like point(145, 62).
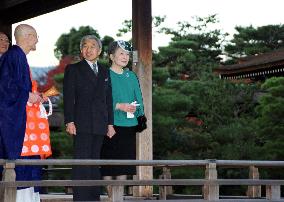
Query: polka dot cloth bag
point(37, 139)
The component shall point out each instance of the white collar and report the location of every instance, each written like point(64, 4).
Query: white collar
point(90, 63)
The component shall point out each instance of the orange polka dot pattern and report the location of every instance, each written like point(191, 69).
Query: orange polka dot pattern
point(37, 140)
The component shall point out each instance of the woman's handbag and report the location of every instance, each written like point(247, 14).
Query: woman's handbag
point(142, 123)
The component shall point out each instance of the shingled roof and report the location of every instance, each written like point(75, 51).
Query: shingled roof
point(266, 63)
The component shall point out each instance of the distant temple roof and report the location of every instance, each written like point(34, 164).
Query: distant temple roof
point(255, 67)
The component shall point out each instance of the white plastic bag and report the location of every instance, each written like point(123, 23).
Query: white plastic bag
point(43, 113)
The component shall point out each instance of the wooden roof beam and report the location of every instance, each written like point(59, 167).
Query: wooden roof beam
point(26, 9)
point(5, 4)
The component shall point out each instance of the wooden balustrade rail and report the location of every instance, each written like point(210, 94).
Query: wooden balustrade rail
point(210, 184)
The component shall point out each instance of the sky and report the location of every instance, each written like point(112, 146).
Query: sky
point(107, 17)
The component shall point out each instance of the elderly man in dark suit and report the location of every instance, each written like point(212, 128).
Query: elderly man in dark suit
point(88, 113)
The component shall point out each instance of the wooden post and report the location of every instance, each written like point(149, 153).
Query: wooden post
point(165, 190)
point(116, 193)
point(9, 175)
point(142, 43)
point(254, 191)
point(273, 192)
point(211, 192)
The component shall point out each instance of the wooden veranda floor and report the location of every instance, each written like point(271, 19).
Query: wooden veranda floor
point(69, 198)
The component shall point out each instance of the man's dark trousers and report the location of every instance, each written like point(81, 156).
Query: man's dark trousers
point(87, 146)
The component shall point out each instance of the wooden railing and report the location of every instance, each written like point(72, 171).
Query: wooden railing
point(210, 184)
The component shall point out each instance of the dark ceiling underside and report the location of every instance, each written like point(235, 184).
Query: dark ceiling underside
point(13, 11)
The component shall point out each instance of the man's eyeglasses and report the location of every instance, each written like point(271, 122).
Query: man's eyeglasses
point(4, 40)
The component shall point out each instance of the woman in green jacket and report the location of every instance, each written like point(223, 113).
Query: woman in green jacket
point(127, 106)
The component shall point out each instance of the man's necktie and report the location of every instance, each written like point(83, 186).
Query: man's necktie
point(95, 69)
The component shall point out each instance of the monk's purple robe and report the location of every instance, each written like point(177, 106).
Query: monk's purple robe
point(15, 85)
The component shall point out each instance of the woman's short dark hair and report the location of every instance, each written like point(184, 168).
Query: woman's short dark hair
point(113, 46)
point(124, 45)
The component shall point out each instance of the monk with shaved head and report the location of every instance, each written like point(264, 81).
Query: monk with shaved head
point(17, 96)
point(26, 38)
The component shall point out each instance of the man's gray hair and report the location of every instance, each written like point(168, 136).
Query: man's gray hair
point(93, 37)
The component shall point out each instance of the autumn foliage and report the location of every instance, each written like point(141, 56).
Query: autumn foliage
point(57, 70)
